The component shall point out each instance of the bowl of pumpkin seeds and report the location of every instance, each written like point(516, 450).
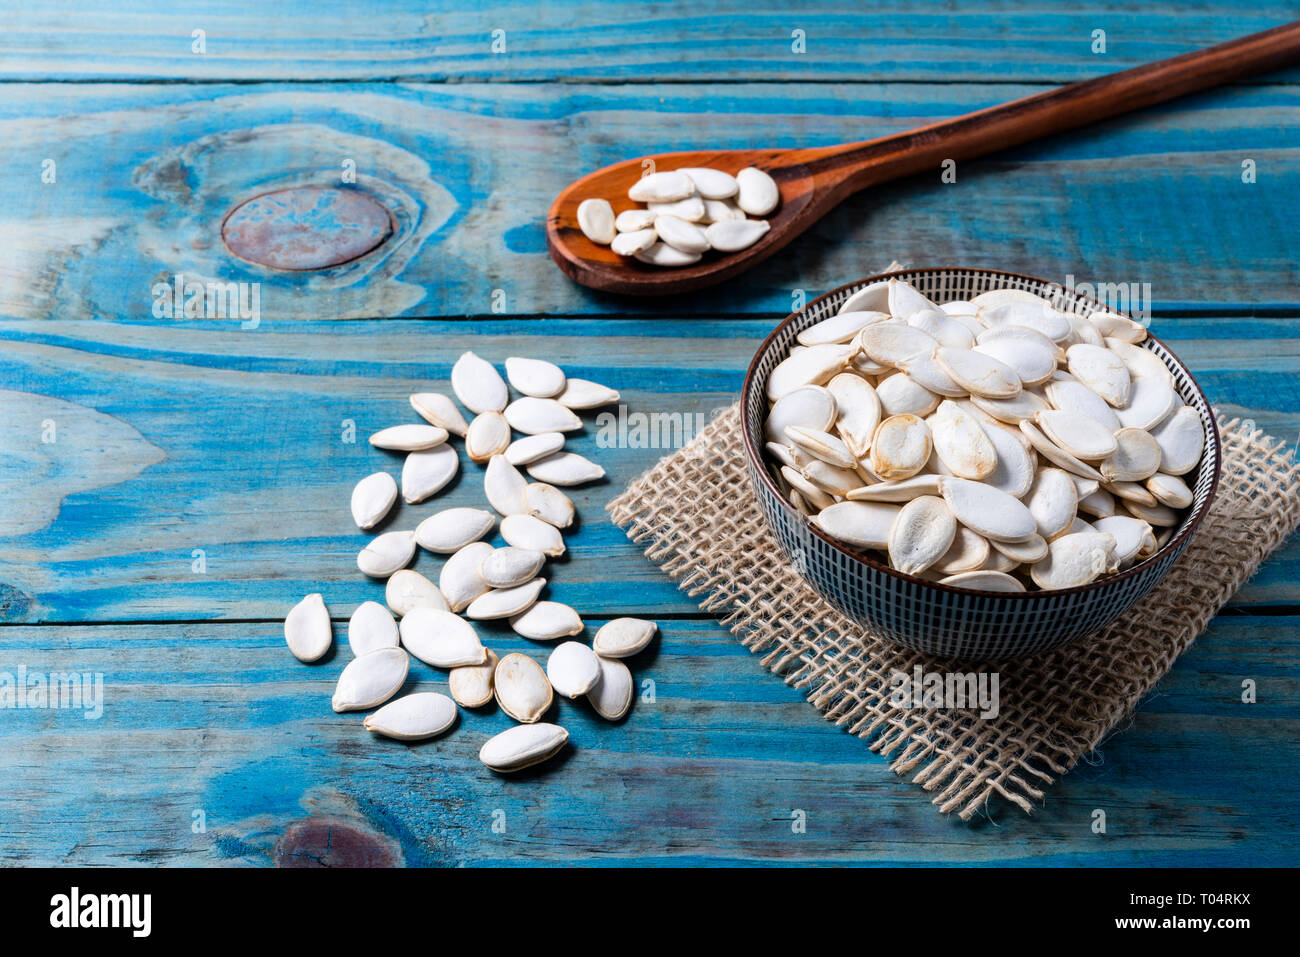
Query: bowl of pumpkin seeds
point(976, 463)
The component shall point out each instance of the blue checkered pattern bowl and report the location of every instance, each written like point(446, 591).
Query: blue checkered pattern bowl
point(939, 619)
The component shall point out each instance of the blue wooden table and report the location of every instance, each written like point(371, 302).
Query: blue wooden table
point(170, 487)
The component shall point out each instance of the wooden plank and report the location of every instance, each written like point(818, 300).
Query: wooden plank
point(586, 40)
point(145, 173)
point(173, 438)
point(219, 719)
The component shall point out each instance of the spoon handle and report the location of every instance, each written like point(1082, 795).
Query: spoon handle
point(843, 170)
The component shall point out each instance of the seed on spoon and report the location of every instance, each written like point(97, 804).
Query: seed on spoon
point(712, 183)
point(661, 188)
point(596, 220)
point(634, 220)
point(307, 629)
point(634, 243)
point(372, 499)
point(413, 717)
point(733, 235)
point(681, 235)
point(690, 209)
point(661, 254)
point(757, 192)
point(523, 746)
point(371, 679)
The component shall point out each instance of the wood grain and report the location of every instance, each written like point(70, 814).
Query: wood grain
point(145, 174)
point(586, 40)
point(255, 472)
point(220, 719)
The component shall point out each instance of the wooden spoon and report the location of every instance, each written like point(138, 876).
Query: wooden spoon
point(812, 181)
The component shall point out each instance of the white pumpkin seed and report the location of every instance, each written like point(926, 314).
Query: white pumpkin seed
point(873, 297)
point(1101, 371)
point(733, 235)
point(829, 478)
point(1134, 538)
point(1055, 454)
point(921, 534)
point(452, 529)
point(409, 438)
point(413, 717)
point(424, 474)
point(946, 330)
point(810, 406)
point(967, 552)
point(1099, 503)
point(860, 524)
point(472, 685)
point(510, 566)
point(813, 494)
point(525, 531)
point(459, 580)
point(984, 581)
point(839, 328)
point(859, 411)
point(436, 409)
point(634, 220)
point(372, 499)
point(1075, 559)
point(927, 370)
point(505, 602)
point(1083, 437)
point(478, 385)
point(1053, 502)
point(408, 589)
point(986, 510)
point(572, 669)
point(905, 300)
point(1029, 354)
point(961, 442)
point(721, 210)
point(612, 696)
point(546, 621)
point(585, 394)
point(370, 628)
point(661, 188)
point(1169, 490)
point(565, 469)
point(307, 629)
point(691, 209)
point(815, 365)
point(523, 746)
point(535, 377)
point(1031, 549)
point(661, 254)
point(371, 679)
point(821, 445)
point(1070, 395)
point(1014, 472)
point(1159, 515)
point(712, 183)
point(533, 416)
point(978, 373)
point(624, 637)
point(1181, 438)
point(681, 235)
point(596, 220)
point(1013, 410)
point(633, 243)
point(758, 194)
point(900, 394)
point(1038, 315)
point(1140, 363)
point(1114, 326)
point(1136, 457)
point(549, 504)
point(891, 343)
point(1131, 492)
point(904, 490)
point(441, 639)
point(533, 447)
point(522, 689)
point(1151, 401)
point(489, 435)
point(900, 447)
point(387, 553)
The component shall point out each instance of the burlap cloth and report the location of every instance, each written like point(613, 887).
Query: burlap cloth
point(697, 515)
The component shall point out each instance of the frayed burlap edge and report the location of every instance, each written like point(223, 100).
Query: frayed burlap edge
point(696, 513)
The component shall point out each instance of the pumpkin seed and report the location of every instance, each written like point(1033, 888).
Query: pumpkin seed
point(858, 409)
point(1136, 457)
point(636, 242)
point(1169, 490)
point(523, 746)
point(961, 443)
point(1099, 503)
point(733, 235)
point(757, 192)
point(873, 297)
point(565, 469)
point(839, 328)
point(1181, 438)
point(533, 447)
point(489, 435)
point(546, 621)
point(1158, 515)
point(472, 685)
point(1053, 502)
point(522, 689)
point(549, 504)
point(946, 330)
point(1038, 315)
point(634, 220)
point(535, 377)
point(424, 474)
point(441, 639)
point(408, 589)
point(533, 416)
point(1101, 371)
point(1075, 559)
point(1055, 454)
point(829, 478)
point(371, 679)
point(815, 495)
point(1131, 492)
point(891, 343)
point(612, 695)
point(459, 580)
point(929, 372)
point(815, 365)
point(661, 254)
point(307, 629)
point(661, 188)
point(1134, 538)
point(860, 524)
point(436, 409)
point(585, 394)
point(1073, 396)
point(510, 566)
point(452, 529)
point(691, 209)
point(904, 299)
point(1151, 401)
point(1140, 363)
point(413, 717)
point(1114, 326)
point(822, 445)
point(505, 602)
point(967, 552)
point(572, 669)
point(370, 628)
point(900, 447)
point(681, 235)
point(525, 531)
point(993, 513)
point(1012, 410)
point(624, 637)
point(596, 220)
point(1014, 472)
point(983, 581)
point(387, 553)
point(1079, 435)
point(372, 499)
point(721, 210)
point(712, 183)
point(478, 385)
point(504, 486)
point(810, 406)
point(900, 394)
point(978, 373)
point(409, 438)
point(1031, 549)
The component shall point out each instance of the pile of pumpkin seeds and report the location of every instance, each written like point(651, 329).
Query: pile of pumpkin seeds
point(477, 582)
point(687, 212)
point(965, 442)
